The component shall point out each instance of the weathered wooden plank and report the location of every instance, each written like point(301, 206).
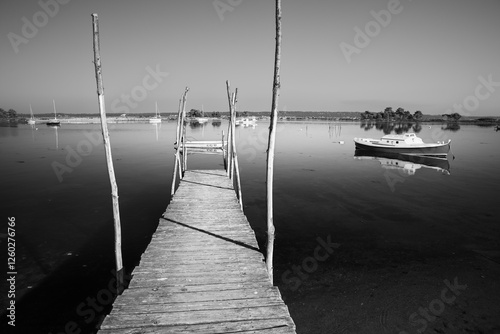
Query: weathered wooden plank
point(192, 270)
point(267, 326)
point(154, 274)
point(124, 320)
point(151, 280)
point(161, 297)
point(193, 306)
point(181, 288)
point(199, 244)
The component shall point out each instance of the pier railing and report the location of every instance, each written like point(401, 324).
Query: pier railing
point(225, 147)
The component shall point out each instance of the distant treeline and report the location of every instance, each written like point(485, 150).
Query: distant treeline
point(403, 115)
point(8, 114)
point(388, 114)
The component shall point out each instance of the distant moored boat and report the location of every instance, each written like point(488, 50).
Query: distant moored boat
point(54, 121)
point(32, 118)
point(156, 118)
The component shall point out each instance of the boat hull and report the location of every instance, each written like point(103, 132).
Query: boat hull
point(440, 149)
point(435, 162)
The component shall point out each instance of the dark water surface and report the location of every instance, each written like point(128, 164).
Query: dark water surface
point(55, 184)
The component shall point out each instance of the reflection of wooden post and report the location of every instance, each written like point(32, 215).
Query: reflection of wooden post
point(109, 159)
point(272, 142)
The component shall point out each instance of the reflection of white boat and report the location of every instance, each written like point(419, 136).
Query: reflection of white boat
point(157, 125)
point(200, 120)
point(56, 127)
point(408, 143)
point(54, 121)
point(156, 118)
point(32, 119)
point(406, 163)
point(247, 121)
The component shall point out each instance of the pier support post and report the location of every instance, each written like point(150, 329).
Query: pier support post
point(271, 145)
point(109, 159)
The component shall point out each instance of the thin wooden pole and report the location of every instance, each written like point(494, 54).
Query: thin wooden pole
point(224, 157)
point(238, 180)
point(109, 159)
point(272, 143)
point(229, 131)
point(177, 132)
point(176, 161)
point(233, 128)
point(184, 150)
point(233, 143)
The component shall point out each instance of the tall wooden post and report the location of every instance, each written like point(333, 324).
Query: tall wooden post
point(229, 132)
point(183, 136)
point(109, 159)
point(271, 145)
point(178, 147)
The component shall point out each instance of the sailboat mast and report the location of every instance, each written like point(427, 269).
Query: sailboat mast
point(55, 114)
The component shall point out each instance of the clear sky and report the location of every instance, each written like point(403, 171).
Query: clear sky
point(341, 55)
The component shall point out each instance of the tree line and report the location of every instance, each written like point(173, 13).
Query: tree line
point(8, 114)
point(402, 115)
point(213, 114)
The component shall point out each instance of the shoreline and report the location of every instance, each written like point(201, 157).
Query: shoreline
point(481, 121)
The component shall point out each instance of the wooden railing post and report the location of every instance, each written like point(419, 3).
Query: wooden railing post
point(224, 151)
point(176, 159)
point(229, 132)
point(109, 158)
point(271, 145)
point(179, 142)
point(183, 139)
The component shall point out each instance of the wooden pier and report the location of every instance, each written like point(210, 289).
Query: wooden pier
point(203, 271)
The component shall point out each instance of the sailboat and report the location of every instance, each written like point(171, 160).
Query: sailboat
point(54, 121)
point(156, 118)
point(32, 119)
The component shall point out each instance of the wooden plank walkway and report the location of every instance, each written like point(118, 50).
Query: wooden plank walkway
point(202, 272)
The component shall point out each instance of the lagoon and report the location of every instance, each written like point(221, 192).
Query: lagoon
point(385, 217)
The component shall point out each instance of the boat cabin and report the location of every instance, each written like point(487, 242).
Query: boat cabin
point(407, 138)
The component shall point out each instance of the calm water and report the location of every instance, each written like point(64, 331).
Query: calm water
point(55, 184)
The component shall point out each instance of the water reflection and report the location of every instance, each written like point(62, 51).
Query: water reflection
point(33, 129)
point(55, 127)
point(156, 126)
point(334, 130)
point(406, 163)
point(451, 126)
point(389, 127)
